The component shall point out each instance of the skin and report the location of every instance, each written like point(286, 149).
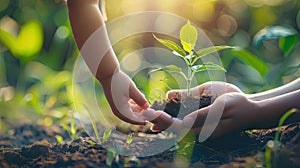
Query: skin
point(241, 111)
point(86, 12)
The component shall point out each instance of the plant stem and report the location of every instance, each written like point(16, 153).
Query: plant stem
point(189, 80)
point(189, 74)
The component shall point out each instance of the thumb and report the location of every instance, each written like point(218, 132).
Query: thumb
point(137, 96)
point(160, 119)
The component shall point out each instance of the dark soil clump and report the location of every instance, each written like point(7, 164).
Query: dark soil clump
point(179, 108)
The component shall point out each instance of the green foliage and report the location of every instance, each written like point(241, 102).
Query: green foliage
point(281, 122)
point(170, 44)
point(287, 44)
point(286, 39)
point(107, 134)
point(28, 43)
point(59, 139)
point(110, 156)
point(268, 154)
point(170, 68)
point(251, 60)
point(129, 138)
point(91, 142)
point(207, 66)
point(188, 39)
point(286, 35)
point(209, 50)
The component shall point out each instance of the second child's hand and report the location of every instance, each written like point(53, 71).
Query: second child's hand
point(228, 96)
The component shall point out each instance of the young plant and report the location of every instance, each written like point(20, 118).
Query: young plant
point(71, 129)
point(107, 134)
point(129, 138)
point(188, 38)
point(110, 156)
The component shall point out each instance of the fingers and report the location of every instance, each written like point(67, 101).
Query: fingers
point(138, 97)
point(160, 119)
point(215, 88)
point(196, 118)
point(134, 107)
point(128, 116)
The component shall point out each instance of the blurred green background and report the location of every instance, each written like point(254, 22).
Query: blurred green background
point(37, 50)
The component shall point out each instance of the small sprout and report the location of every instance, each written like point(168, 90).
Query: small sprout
point(188, 39)
point(110, 156)
point(59, 139)
point(92, 143)
point(107, 134)
point(129, 138)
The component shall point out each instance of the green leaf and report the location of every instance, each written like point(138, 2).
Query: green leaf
point(188, 36)
point(169, 68)
point(207, 66)
point(30, 39)
point(110, 156)
point(209, 50)
point(173, 46)
point(251, 60)
point(107, 133)
point(270, 33)
point(129, 138)
point(28, 43)
point(281, 122)
point(286, 44)
point(59, 139)
point(9, 41)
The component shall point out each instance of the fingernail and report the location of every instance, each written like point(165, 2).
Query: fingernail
point(188, 122)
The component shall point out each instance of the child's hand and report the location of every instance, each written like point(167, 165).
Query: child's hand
point(124, 98)
point(237, 110)
point(214, 88)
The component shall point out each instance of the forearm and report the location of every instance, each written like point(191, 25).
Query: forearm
point(272, 109)
point(91, 38)
point(292, 86)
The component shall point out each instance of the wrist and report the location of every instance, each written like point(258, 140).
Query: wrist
point(106, 78)
point(272, 109)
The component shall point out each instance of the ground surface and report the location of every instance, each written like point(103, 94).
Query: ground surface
point(36, 146)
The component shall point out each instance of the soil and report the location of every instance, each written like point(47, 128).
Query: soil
point(36, 146)
point(179, 108)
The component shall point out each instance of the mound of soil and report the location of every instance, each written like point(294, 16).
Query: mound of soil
point(179, 108)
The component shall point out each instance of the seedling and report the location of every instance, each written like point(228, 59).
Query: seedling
point(188, 38)
point(59, 139)
point(106, 134)
point(280, 124)
point(71, 129)
point(129, 138)
point(90, 142)
point(110, 156)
